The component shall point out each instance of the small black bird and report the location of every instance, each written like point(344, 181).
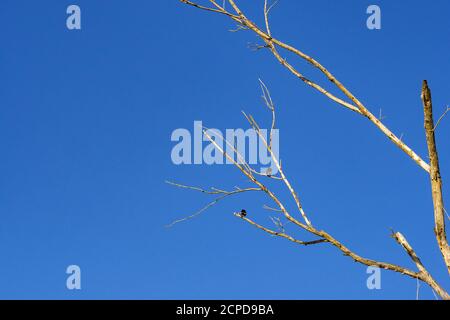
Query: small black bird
point(243, 213)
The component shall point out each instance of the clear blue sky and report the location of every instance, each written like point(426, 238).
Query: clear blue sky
point(85, 124)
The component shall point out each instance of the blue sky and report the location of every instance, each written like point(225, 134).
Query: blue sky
point(85, 124)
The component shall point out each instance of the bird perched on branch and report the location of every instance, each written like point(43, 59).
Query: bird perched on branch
point(243, 213)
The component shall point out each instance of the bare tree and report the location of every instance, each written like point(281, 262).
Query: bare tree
point(274, 45)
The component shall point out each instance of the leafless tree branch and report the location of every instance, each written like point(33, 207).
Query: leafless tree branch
point(223, 194)
point(435, 176)
point(280, 234)
point(355, 105)
point(273, 44)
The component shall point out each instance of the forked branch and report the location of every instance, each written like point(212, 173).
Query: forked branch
point(354, 104)
point(323, 236)
point(272, 42)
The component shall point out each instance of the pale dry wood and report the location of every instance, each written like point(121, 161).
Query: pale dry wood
point(322, 235)
point(427, 278)
point(435, 176)
point(357, 105)
point(359, 108)
point(280, 234)
point(294, 194)
point(423, 273)
point(363, 110)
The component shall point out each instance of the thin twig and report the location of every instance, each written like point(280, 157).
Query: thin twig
point(294, 194)
point(269, 103)
point(271, 209)
point(215, 191)
point(417, 289)
point(441, 117)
